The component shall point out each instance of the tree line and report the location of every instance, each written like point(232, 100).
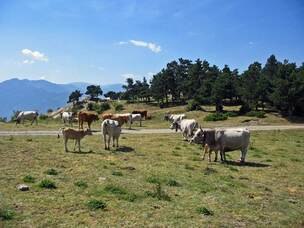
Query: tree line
point(278, 85)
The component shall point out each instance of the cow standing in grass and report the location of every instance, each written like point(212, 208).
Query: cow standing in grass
point(174, 117)
point(27, 115)
point(143, 113)
point(86, 117)
point(76, 134)
point(67, 117)
point(113, 129)
point(135, 117)
point(186, 126)
point(223, 140)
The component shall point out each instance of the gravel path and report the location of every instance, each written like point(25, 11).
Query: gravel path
point(149, 131)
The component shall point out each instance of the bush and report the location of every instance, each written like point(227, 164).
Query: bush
point(51, 172)
point(98, 107)
point(204, 211)
point(115, 190)
point(96, 204)
point(29, 179)
point(216, 117)
point(231, 114)
point(193, 105)
point(6, 214)
point(46, 183)
point(49, 110)
point(81, 184)
point(244, 109)
point(3, 119)
point(153, 180)
point(258, 114)
point(118, 107)
point(173, 183)
point(117, 173)
point(43, 117)
point(104, 106)
point(158, 193)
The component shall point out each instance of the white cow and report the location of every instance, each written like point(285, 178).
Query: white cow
point(27, 115)
point(186, 126)
point(135, 117)
point(113, 130)
point(174, 117)
point(223, 140)
point(67, 117)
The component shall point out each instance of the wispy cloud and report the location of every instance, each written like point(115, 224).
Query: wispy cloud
point(250, 43)
point(28, 61)
point(35, 55)
point(139, 43)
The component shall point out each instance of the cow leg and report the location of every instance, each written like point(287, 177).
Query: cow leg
point(243, 154)
point(65, 145)
point(109, 141)
point(79, 150)
point(221, 153)
point(117, 142)
point(75, 144)
point(216, 154)
point(205, 148)
point(113, 141)
point(105, 140)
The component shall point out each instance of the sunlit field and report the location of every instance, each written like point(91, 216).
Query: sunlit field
point(155, 180)
point(157, 119)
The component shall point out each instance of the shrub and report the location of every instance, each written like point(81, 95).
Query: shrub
point(51, 172)
point(244, 109)
point(258, 114)
point(104, 106)
point(115, 190)
point(231, 114)
point(49, 110)
point(153, 180)
point(193, 105)
point(46, 183)
point(43, 117)
point(6, 214)
point(204, 211)
point(173, 183)
point(118, 107)
point(3, 119)
point(158, 193)
point(117, 173)
point(81, 184)
point(216, 117)
point(29, 179)
point(96, 204)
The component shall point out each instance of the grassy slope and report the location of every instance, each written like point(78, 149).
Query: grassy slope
point(271, 194)
point(157, 118)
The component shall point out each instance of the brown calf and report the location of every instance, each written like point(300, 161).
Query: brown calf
point(86, 117)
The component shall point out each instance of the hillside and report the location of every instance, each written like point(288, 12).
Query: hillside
point(39, 95)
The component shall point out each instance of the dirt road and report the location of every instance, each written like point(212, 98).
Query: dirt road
point(149, 131)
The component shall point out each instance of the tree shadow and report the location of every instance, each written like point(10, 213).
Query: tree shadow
point(249, 164)
point(125, 149)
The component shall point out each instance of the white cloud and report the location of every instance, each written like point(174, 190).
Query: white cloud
point(42, 77)
point(28, 61)
point(251, 43)
point(122, 42)
point(35, 55)
point(128, 75)
point(152, 46)
point(139, 43)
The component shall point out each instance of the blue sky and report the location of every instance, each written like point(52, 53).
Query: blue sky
point(103, 42)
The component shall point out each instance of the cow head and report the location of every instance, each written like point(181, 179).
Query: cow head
point(175, 125)
point(199, 136)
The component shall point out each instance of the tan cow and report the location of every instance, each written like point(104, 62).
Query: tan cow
point(76, 134)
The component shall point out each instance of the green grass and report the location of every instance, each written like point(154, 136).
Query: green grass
point(96, 204)
point(162, 190)
point(29, 179)
point(6, 214)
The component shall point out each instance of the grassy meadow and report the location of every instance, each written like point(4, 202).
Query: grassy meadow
point(156, 181)
point(157, 119)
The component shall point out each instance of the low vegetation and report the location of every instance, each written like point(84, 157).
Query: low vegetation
point(46, 183)
point(161, 190)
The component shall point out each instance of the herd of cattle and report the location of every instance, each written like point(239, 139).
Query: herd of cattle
point(222, 140)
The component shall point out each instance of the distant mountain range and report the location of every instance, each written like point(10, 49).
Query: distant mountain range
point(40, 95)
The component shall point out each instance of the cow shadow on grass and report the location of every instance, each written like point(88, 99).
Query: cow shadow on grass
point(248, 164)
point(124, 149)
